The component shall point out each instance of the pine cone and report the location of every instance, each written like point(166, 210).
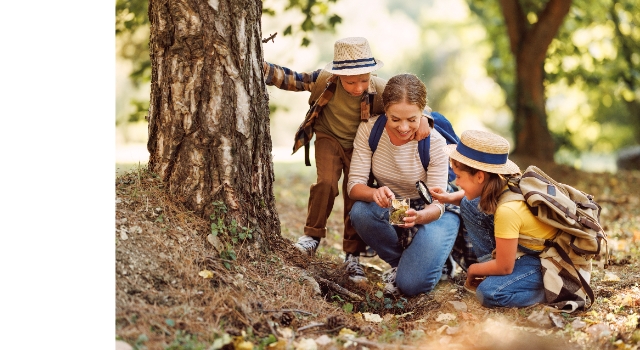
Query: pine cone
point(336, 321)
point(286, 318)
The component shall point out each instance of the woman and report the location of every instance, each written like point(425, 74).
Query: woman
point(510, 276)
point(396, 166)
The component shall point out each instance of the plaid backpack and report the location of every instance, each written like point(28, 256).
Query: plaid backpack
point(566, 259)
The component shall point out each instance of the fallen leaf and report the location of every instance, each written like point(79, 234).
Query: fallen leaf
point(539, 319)
point(578, 324)
point(598, 331)
point(206, 274)
point(557, 320)
point(286, 332)
point(323, 340)
point(346, 332)
point(442, 329)
point(215, 242)
point(244, 345)
point(444, 318)
point(371, 317)
point(123, 234)
point(610, 277)
point(279, 345)
point(452, 330)
point(459, 305)
point(305, 344)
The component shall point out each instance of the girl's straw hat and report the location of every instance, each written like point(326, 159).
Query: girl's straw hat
point(352, 56)
point(484, 151)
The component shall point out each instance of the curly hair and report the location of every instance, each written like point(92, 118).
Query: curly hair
point(405, 88)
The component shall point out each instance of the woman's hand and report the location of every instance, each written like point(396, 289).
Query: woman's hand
point(382, 196)
point(410, 218)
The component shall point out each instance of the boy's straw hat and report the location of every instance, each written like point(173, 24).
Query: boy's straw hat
point(352, 56)
point(484, 151)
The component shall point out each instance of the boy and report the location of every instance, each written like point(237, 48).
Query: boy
point(343, 94)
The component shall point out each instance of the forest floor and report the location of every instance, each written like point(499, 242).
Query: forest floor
point(173, 291)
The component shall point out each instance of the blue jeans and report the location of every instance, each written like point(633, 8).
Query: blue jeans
point(420, 265)
point(523, 287)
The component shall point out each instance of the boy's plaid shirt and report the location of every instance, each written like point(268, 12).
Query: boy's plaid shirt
point(286, 79)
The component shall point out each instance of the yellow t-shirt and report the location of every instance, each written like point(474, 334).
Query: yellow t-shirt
point(513, 218)
point(340, 118)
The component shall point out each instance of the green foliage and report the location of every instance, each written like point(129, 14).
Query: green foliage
point(317, 16)
point(597, 51)
point(185, 341)
point(348, 308)
point(234, 231)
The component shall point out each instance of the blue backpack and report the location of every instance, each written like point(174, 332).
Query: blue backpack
point(441, 124)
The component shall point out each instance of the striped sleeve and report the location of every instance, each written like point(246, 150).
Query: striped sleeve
point(287, 79)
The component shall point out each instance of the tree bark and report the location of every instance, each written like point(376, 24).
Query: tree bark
point(529, 45)
point(209, 137)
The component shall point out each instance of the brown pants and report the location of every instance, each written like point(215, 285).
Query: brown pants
point(331, 161)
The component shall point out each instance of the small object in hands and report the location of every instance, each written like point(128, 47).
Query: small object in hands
point(397, 210)
point(423, 191)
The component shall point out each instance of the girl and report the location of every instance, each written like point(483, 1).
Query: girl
point(507, 274)
point(416, 267)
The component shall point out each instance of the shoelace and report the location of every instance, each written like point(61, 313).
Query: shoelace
point(353, 266)
point(308, 243)
point(389, 276)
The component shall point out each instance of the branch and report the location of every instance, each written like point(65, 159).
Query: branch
point(536, 43)
point(515, 21)
point(289, 310)
point(340, 290)
point(271, 37)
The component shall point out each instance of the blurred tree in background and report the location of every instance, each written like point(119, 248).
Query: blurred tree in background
point(596, 51)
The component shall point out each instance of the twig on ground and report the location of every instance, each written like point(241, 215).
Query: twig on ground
point(340, 290)
point(311, 325)
point(289, 310)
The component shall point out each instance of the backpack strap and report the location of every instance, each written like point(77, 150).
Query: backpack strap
point(376, 132)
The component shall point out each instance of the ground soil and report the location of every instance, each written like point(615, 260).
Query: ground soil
point(174, 291)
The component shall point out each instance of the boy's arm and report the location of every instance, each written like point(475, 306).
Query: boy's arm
point(286, 79)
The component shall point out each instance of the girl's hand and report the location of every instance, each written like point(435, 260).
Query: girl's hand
point(439, 194)
point(382, 196)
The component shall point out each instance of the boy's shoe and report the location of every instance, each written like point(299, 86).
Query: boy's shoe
point(389, 279)
point(354, 269)
point(368, 253)
point(307, 245)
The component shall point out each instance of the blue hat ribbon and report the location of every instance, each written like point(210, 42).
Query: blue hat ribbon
point(488, 158)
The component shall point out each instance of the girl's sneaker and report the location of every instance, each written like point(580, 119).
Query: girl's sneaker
point(356, 273)
point(389, 278)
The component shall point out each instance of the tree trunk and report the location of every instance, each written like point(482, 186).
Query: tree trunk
point(529, 45)
point(209, 137)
